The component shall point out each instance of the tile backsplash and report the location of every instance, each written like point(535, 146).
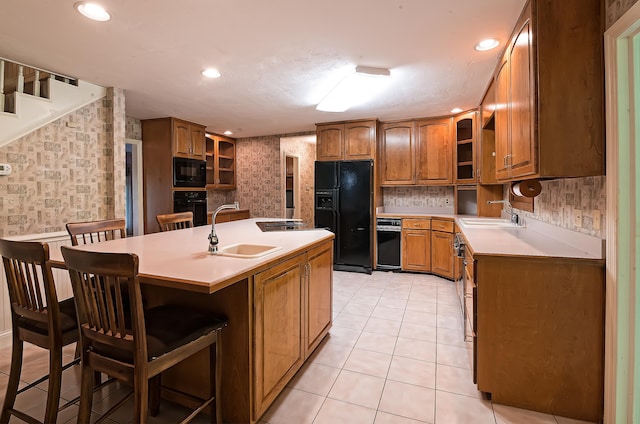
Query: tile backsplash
point(421, 197)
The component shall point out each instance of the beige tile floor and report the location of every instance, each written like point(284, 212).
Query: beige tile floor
point(395, 355)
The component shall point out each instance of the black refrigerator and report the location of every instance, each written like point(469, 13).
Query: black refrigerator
point(344, 205)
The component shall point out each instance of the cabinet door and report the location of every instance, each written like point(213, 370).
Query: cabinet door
point(502, 121)
point(318, 295)
point(522, 157)
point(197, 142)
point(442, 254)
point(397, 153)
point(359, 140)
point(277, 330)
point(416, 250)
point(433, 152)
point(329, 144)
point(181, 139)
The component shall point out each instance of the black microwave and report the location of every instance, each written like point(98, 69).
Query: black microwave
point(189, 172)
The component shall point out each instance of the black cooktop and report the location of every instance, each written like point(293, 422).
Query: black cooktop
point(285, 225)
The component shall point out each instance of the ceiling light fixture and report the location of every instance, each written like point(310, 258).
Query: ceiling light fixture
point(356, 88)
point(227, 132)
point(92, 11)
point(211, 73)
point(488, 44)
point(456, 110)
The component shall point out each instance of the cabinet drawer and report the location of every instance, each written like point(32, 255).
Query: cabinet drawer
point(439, 225)
point(418, 224)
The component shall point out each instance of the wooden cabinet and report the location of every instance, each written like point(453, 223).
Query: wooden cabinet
point(540, 333)
point(354, 140)
point(188, 139)
point(278, 351)
point(487, 145)
point(397, 153)
point(416, 245)
point(549, 118)
point(433, 152)
point(292, 314)
point(416, 152)
point(465, 128)
point(228, 215)
point(318, 296)
point(442, 257)
point(221, 162)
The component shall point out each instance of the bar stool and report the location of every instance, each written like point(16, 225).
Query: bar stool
point(38, 318)
point(96, 231)
point(175, 221)
point(135, 345)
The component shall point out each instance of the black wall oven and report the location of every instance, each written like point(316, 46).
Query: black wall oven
point(189, 172)
point(192, 201)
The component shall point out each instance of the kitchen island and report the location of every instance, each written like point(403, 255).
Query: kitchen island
point(279, 305)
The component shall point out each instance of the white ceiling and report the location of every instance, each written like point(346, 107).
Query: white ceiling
point(278, 58)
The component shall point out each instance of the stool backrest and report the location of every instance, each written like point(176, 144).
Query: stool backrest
point(175, 221)
point(96, 231)
point(32, 291)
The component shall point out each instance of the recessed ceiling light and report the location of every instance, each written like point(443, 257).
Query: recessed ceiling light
point(211, 73)
point(227, 132)
point(488, 44)
point(456, 110)
point(92, 11)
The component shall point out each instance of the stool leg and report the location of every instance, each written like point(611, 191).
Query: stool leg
point(86, 391)
point(154, 396)
point(140, 394)
point(55, 381)
point(14, 376)
point(218, 380)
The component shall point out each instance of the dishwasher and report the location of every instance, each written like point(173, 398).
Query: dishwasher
point(389, 235)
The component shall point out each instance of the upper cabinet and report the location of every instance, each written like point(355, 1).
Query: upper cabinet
point(221, 162)
point(354, 140)
point(416, 152)
point(549, 93)
point(465, 147)
point(188, 139)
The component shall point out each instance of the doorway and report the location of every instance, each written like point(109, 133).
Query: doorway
point(133, 187)
point(291, 187)
point(622, 367)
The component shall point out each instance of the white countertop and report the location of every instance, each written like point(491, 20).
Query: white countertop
point(181, 256)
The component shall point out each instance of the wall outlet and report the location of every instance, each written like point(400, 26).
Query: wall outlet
point(577, 217)
point(5, 169)
point(446, 201)
point(596, 219)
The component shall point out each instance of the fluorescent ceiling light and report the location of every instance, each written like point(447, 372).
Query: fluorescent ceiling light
point(488, 44)
point(227, 132)
point(456, 110)
point(93, 11)
point(356, 88)
point(211, 73)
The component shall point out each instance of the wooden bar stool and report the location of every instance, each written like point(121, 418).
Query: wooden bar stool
point(38, 318)
point(175, 221)
point(96, 231)
point(135, 345)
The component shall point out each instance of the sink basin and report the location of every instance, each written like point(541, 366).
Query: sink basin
point(487, 223)
point(247, 250)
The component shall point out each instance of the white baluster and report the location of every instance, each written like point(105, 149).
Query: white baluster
point(1, 85)
point(20, 85)
point(36, 84)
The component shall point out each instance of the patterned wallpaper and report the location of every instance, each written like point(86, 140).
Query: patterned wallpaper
point(616, 8)
point(65, 170)
point(306, 154)
point(573, 203)
point(423, 197)
point(133, 128)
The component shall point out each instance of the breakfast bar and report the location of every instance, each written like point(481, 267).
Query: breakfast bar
point(278, 301)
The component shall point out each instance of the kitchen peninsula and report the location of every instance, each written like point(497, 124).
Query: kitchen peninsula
point(279, 305)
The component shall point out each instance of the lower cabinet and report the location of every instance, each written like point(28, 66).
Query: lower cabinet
point(292, 313)
point(416, 245)
point(442, 256)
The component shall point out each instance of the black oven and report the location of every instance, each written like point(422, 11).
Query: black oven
point(189, 172)
point(192, 201)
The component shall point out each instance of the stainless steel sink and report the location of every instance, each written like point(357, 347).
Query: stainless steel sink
point(487, 223)
point(247, 250)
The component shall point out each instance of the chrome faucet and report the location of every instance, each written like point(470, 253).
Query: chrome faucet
point(213, 237)
point(515, 219)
